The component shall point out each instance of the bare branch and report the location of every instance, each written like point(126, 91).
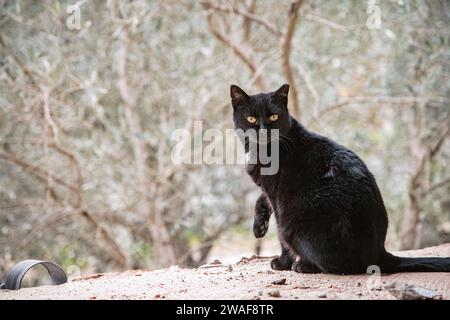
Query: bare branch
point(164, 250)
point(248, 15)
point(47, 114)
point(116, 252)
point(38, 172)
point(437, 185)
point(378, 99)
point(208, 242)
point(424, 150)
point(309, 84)
point(76, 165)
point(261, 67)
point(247, 25)
point(18, 61)
point(240, 53)
point(331, 24)
point(443, 132)
point(286, 54)
point(120, 257)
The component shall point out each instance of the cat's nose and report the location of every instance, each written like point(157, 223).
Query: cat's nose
point(263, 131)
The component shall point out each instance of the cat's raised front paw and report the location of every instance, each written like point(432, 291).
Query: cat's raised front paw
point(260, 227)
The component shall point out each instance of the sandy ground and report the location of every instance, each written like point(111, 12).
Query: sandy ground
point(250, 278)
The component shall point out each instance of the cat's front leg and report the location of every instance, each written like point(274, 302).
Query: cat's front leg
point(303, 266)
point(262, 215)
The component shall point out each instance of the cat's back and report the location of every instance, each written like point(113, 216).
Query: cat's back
point(324, 169)
point(323, 153)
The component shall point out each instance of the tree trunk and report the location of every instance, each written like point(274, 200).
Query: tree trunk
point(419, 180)
point(410, 223)
point(163, 250)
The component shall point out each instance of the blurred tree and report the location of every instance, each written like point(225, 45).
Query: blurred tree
point(86, 117)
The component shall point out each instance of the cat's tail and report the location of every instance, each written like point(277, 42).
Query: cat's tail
point(394, 264)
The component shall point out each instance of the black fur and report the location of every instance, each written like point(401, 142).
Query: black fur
point(327, 205)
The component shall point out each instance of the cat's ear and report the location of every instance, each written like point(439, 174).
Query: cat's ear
point(238, 96)
point(283, 91)
point(281, 95)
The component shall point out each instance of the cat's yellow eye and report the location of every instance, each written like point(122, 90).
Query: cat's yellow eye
point(251, 119)
point(273, 117)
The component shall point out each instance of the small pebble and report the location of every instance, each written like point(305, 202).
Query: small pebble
point(275, 293)
point(280, 281)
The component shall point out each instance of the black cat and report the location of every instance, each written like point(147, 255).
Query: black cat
point(327, 205)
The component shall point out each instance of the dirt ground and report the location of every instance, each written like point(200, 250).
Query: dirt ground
point(250, 278)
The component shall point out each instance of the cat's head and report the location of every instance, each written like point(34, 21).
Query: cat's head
point(261, 111)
